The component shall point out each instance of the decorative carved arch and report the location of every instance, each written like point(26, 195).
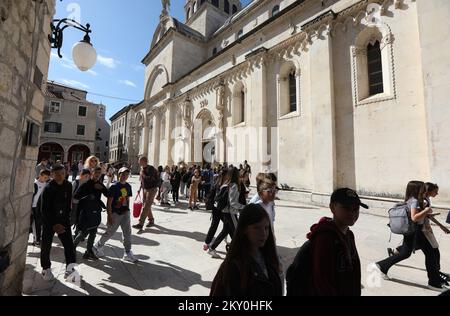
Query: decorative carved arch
point(159, 70)
point(140, 120)
point(205, 114)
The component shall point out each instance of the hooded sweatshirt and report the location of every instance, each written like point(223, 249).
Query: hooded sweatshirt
point(336, 268)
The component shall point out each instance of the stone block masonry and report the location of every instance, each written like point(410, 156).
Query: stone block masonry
point(24, 51)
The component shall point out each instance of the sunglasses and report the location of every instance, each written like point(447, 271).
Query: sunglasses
point(271, 191)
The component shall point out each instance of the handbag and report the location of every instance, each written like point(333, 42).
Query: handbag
point(137, 205)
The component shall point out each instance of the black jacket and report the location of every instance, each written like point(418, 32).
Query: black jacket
point(258, 285)
point(56, 203)
point(90, 206)
point(88, 188)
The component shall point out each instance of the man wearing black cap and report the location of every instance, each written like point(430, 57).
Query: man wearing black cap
point(336, 268)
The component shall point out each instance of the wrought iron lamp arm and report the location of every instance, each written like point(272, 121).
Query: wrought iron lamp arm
point(56, 37)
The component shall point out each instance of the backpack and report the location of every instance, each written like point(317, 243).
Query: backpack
point(299, 272)
point(90, 212)
point(221, 198)
point(400, 221)
point(186, 177)
point(151, 179)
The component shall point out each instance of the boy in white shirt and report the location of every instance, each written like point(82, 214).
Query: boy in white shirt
point(36, 218)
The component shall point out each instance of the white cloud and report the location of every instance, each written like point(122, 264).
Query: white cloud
point(139, 67)
point(68, 66)
point(54, 55)
point(107, 62)
point(128, 83)
point(93, 73)
point(74, 83)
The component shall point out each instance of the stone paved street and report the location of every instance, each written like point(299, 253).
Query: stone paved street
point(172, 261)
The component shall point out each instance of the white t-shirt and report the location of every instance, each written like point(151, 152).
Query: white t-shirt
point(165, 176)
point(41, 186)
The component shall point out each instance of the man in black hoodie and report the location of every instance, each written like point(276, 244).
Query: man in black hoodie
point(336, 268)
point(56, 203)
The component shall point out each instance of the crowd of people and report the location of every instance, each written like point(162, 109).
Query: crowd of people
point(327, 264)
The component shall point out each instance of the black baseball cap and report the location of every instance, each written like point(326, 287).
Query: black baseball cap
point(347, 196)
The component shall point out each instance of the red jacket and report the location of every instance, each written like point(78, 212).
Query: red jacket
point(336, 268)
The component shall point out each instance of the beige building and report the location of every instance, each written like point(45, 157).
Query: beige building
point(119, 150)
point(326, 93)
point(24, 60)
point(71, 126)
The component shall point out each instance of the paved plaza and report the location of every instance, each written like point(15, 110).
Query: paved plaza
point(172, 261)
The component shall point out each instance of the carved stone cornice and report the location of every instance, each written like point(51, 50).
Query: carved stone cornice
point(324, 25)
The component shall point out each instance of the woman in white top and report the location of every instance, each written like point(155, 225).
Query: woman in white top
point(166, 186)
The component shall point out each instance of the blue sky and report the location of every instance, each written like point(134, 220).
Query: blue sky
point(121, 33)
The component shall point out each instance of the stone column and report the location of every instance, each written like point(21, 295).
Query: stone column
point(221, 136)
point(257, 117)
point(188, 110)
point(322, 108)
point(170, 136)
point(435, 55)
point(156, 137)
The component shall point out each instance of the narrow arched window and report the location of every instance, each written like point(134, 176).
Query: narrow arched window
point(227, 7)
point(242, 109)
point(235, 9)
point(292, 92)
point(275, 10)
point(375, 69)
point(188, 14)
point(214, 51)
point(240, 33)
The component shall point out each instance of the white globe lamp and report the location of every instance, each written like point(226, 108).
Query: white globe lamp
point(84, 54)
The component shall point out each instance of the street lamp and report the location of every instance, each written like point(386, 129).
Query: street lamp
point(83, 53)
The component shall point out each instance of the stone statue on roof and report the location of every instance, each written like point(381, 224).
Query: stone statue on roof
point(166, 6)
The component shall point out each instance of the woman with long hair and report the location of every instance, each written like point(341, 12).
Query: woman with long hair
point(415, 198)
point(91, 163)
point(251, 267)
point(231, 211)
point(216, 214)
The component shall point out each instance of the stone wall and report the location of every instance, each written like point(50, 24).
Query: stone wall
point(24, 60)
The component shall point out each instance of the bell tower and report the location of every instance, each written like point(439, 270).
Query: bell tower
point(206, 16)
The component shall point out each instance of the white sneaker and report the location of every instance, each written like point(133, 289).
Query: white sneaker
point(73, 272)
point(214, 254)
point(383, 275)
point(47, 275)
point(439, 288)
point(130, 257)
point(98, 250)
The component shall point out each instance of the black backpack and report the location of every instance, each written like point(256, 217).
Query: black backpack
point(221, 198)
point(299, 272)
point(90, 212)
point(151, 178)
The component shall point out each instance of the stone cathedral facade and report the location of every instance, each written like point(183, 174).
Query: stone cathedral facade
point(326, 93)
